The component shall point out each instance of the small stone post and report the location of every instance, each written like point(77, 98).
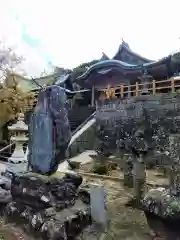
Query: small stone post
point(127, 170)
point(19, 129)
point(98, 205)
point(139, 177)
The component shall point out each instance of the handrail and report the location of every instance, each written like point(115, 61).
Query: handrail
point(8, 146)
point(81, 131)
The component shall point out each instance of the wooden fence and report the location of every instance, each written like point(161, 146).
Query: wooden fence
point(163, 86)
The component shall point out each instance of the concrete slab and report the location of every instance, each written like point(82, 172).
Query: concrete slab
point(63, 167)
point(81, 159)
point(84, 157)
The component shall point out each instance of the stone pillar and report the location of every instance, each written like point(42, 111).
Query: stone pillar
point(127, 170)
point(139, 177)
point(18, 130)
point(174, 176)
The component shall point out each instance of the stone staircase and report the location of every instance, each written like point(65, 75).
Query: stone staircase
point(83, 138)
point(78, 115)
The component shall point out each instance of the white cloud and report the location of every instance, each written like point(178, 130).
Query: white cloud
point(72, 32)
point(11, 34)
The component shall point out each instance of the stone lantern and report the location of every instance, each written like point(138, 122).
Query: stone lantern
point(146, 79)
point(18, 131)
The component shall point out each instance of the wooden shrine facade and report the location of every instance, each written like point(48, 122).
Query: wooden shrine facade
point(126, 91)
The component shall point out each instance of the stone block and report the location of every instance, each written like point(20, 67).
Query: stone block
point(42, 192)
point(98, 204)
point(50, 224)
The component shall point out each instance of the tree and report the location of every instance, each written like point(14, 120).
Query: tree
point(9, 60)
point(12, 102)
point(76, 72)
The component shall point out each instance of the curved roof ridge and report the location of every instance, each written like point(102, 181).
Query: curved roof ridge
point(125, 46)
point(123, 65)
point(108, 63)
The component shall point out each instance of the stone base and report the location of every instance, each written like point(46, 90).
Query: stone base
point(47, 207)
point(49, 224)
point(41, 191)
point(17, 160)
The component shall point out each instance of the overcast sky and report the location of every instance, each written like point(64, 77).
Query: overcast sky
point(69, 32)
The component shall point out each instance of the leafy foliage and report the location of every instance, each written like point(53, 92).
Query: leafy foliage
point(76, 72)
point(12, 102)
point(9, 60)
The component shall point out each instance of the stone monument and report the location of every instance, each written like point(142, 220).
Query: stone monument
point(46, 203)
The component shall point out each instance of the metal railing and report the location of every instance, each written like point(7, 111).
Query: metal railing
point(6, 152)
point(7, 147)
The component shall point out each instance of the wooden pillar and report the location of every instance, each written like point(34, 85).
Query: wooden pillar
point(92, 97)
point(122, 91)
point(154, 87)
point(137, 89)
point(172, 85)
point(129, 90)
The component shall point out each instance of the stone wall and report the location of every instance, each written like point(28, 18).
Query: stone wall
point(152, 118)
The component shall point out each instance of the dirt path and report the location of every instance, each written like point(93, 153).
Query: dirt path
point(10, 232)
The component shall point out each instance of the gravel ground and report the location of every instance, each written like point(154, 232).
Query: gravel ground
point(125, 223)
point(10, 232)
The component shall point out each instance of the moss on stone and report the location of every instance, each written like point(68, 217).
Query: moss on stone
point(100, 169)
